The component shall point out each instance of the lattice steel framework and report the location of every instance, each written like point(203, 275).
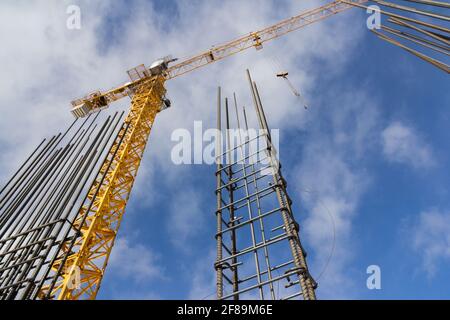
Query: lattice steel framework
point(99, 219)
point(259, 254)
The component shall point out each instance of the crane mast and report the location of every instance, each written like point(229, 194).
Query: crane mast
point(99, 219)
point(86, 254)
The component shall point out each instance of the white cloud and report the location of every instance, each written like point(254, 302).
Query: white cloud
point(402, 144)
point(186, 217)
point(330, 192)
point(203, 278)
point(332, 179)
point(134, 261)
point(430, 238)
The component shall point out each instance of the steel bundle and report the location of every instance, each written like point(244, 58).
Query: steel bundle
point(40, 202)
point(427, 31)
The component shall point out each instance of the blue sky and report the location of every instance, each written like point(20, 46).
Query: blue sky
point(372, 151)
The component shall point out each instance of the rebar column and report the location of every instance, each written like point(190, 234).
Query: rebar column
point(290, 226)
point(259, 255)
point(219, 276)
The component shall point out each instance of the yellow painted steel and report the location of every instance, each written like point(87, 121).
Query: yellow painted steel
point(100, 223)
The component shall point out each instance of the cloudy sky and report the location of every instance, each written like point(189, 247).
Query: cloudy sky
point(367, 164)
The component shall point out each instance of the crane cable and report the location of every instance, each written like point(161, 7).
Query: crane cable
point(281, 73)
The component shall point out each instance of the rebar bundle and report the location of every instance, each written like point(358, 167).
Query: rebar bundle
point(40, 203)
point(259, 254)
point(425, 34)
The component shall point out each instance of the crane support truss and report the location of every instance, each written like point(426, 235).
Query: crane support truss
point(256, 39)
point(86, 256)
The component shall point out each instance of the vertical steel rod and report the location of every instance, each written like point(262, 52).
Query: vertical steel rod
point(249, 206)
point(300, 262)
point(231, 208)
point(261, 220)
point(218, 267)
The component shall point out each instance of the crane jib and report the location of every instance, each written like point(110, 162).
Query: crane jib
point(96, 101)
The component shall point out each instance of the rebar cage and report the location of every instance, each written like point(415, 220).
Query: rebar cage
point(259, 254)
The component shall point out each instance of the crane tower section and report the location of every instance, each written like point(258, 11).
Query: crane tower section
point(86, 252)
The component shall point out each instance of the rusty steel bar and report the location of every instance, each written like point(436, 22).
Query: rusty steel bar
point(390, 14)
point(218, 267)
point(425, 32)
point(431, 3)
point(423, 42)
point(413, 10)
point(444, 67)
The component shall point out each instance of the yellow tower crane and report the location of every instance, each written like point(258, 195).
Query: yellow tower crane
point(99, 222)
